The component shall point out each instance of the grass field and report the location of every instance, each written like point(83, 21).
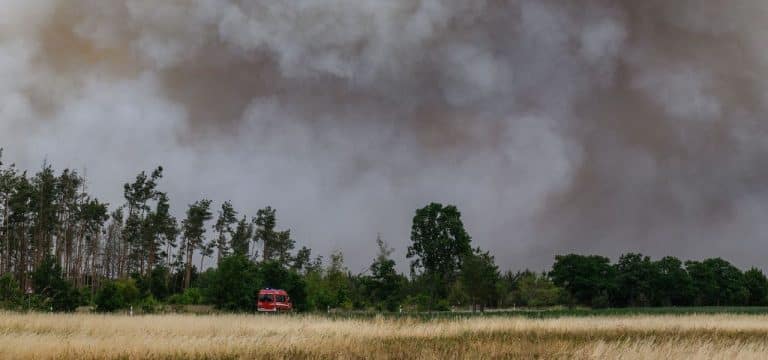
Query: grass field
point(60, 336)
point(564, 312)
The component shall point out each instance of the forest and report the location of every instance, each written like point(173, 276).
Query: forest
point(61, 248)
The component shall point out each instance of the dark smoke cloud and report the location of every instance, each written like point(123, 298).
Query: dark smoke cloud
point(592, 126)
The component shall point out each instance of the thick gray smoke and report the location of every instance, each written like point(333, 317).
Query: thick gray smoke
point(597, 126)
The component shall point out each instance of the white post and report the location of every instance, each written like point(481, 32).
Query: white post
point(131, 311)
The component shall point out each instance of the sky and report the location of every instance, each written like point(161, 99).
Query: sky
point(595, 126)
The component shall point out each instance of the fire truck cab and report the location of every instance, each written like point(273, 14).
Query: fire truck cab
point(273, 300)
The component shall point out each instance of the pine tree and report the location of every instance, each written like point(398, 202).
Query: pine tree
point(227, 218)
point(20, 219)
point(136, 232)
point(8, 181)
point(113, 255)
point(265, 231)
point(194, 233)
point(92, 217)
point(276, 245)
point(70, 198)
point(242, 237)
point(45, 185)
point(302, 260)
point(159, 232)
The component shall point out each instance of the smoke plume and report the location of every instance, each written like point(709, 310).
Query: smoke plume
point(598, 126)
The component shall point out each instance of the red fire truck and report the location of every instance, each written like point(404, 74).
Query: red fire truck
point(273, 300)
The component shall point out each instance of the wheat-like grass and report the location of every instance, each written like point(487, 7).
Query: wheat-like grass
point(60, 336)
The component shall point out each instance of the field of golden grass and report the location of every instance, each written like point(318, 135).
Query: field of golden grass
point(77, 336)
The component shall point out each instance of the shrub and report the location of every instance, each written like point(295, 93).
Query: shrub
point(128, 290)
point(442, 305)
point(10, 292)
point(176, 299)
point(535, 290)
point(118, 294)
point(601, 301)
point(158, 282)
point(149, 305)
point(234, 285)
point(191, 296)
point(59, 294)
point(67, 299)
point(109, 298)
point(419, 302)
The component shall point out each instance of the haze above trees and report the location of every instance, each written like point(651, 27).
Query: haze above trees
point(60, 248)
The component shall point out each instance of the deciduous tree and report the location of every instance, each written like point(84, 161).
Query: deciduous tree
point(439, 245)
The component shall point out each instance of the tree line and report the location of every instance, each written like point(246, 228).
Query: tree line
point(61, 248)
point(636, 280)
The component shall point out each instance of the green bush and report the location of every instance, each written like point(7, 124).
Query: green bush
point(108, 298)
point(59, 294)
point(535, 290)
point(422, 302)
point(118, 294)
point(34, 302)
point(128, 290)
point(68, 299)
point(191, 296)
point(419, 302)
point(318, 296)
point(442, 305)
point(158, 283)
point(234, 285)
point(176, 299)
point(10, 292)
point(149, 305)
point(601, 301)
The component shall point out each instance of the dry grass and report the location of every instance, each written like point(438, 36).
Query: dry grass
point(46, 336)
